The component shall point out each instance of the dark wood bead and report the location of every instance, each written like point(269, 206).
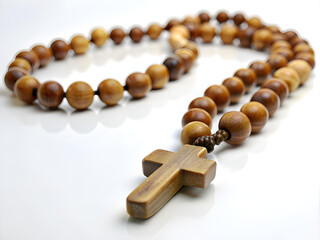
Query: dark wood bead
point(286, 52)
point(296, 40)
point(238, 19)
point(277, 61)
point(235, 87)
point(21, 63)
point(172, 23)
point(117, 35)
point(194, 31)
point(248, 77)
point(237, 124)
point(206, 104)
point(257, 114)
point(262, 70)
point(220, 95)
point(31, 57)
point(110, 91)
point(26, 89)
point(60, 49)
point(268, 98)
point(204, 17)
point(187, 56)
point(80, 95)
point(50, 94)
point(136, 34)
point(245, 36)
point(290, 34)
point(138, 84)
point(196, 114)
point(13, 75)
point(194, 130)
point(280, 44)
point(44, 53)
point(175, 66)
point(222, 17)
point(308, 57)
point(302, 47)
point(279, 86)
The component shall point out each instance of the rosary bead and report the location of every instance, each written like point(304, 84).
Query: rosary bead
point(26, 89)
point(204, 17)
point(60, 49)
point(79, 45)
point(159, 75)
point(286, 52)
point(277, 61)
point(13, 75)
point(296, 40)
point(245, 36)
point(262, 38)
point(276, 37)
point(207, 32)
point(228, 33)
point(117, 35)
point(22, 64)
point(139, 84)
point(291, 34)
point(193, 47)
point(191, 20)
point(290, 76)
point(196, 114)
point(257, 114)
point(262, 70)
point(80, 95)
point(220, 95)
point(44, 54)
point(222, 17)
point(171, 23)
point(308, 57)
point(31, 57)
point(268, 98)
point(177, 41)
point(50, 94)
point(238, 19)
point(302, 47)
point(206, 104)
point(175, 66)
point(110, 91)
point(279, 86)
point(99, 36)
point(180, 30)
point(274, 29)
point(254, 22)
point(154, 31)
point(302, 68)
point(248, 76)
point(235, 87)
point(237, 124)
point(280, 44)
point(194, 130)
point(194, 30)
point(187, 56)
point(136, 34)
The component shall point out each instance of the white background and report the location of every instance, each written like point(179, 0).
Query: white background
point(66, 174)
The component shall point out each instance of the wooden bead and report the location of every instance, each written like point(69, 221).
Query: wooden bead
point(254, 22)
point(138, 84)
point(50, 94)
point(60, 49)
point(99, 36)
point(80, 95)
point(204, 17)
point(180, 30)
point(237, 124)
point(274, 29)
point(262, 38)
point(79, 45)
point(175, 67)
point(302, 47)
point(110, 91)
point(277, 61)
point(245, 36)
point(193, 47)
point(207, 32)
point(44, 54)
point(13, 75)
point(219, 94)
point(286, 52)
point(177, 41)
point(191, 20)
point(187, 56)
point(26, 89)
point(296, 40)
point(172, 23)
point(235, 87)
point(280, 44)
point(194, 31)
point(117, 35)
point(154, 31)
point(192, 131)
point(222, 17)
point(238, 19)
point(290, 76)
point(262, 70)
point(308, 57)
point(228, 33)
point(248, 77)
point(257, 114)
point(206, 104)
point(136, 34)
point(279, 86)
point(290, 34)
point(268, 98)
point(31, 57)
point(196, 114)
point(159, 75)
point(278, 37)
point(21, 63)
point(302, 68)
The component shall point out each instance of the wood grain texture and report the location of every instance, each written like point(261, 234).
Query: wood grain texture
point(167, 172)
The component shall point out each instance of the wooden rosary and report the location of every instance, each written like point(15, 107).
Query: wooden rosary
point(290, 62)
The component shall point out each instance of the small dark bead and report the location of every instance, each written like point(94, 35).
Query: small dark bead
point(13, 75)
point(205, 141)
point(222, 17)
point(194, 31)
point(172, 23)
point(238, 19)
point(175, 67)
point(277, 61)
point(218, 138)
point(204, 17)
point(290, 34)
point(60, 49)
point(136, 34)
point(245, 36)
point(117, 35)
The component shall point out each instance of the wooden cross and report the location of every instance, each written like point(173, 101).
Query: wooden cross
point(167, 172)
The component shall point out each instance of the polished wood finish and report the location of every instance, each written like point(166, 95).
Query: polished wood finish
point(117, 35)
point(257, 114)
point(245, 36)
point(193, 130)
point(220, 95)
point(280, 44)
point(138, 84)
point(26, 89)
point(171, 23)
point(302, 47)
point(187, 56)
point(308, 57)
point(262, 38)
point(222, 17)
point(13, 75)
point(277, 61)
point(60, 49)
point(207, 32)
point(248, 77)
point(136, 34)
point(238, 19)
point(79, 44)
point(110, 91)
point(180, 30)
point(302, 68)
point(206, 104)
point(154, 31)
point(235, 87)
point(268, 98)
point(175, 66)
point(50, 94)
point(254, 22)
point(279, 86)
point(99, 36)
point(193, 47)
point(44, 54)
point(31, 57)
point(159, 75)
point(80, 95)
point(204, 17)
point(228, 33)
point(296, 40)
point(177, 41)
point(286, 52)
point(167, 172)
point(290, 76)
point(290, 34)
point(22, 64)
point(278, 37)
point(196, 114)
point(262, 70)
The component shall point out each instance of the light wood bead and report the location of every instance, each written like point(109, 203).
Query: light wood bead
point(60, 49)
point(31, 57)
point(286, 52)
point(117, 35)
point(248, 77)
point(99, 36)
point(193, 47)
point(280, 44)
point(206, 104)
point(228, 33)
point(110, 91)
point(262, 70)
point(290, 76)
point(21, 63)
point(302, 47)
point(13, 75)
point(237, 124)
point(196, 114)
point(235, 87)
point(50, 94)
point(277, 61)
point(278, 37)
point(138, 84)
point(154, 31)
point(26, 89)
point(159, 75)
point(279, 86)
point(254, 22)
point(175, 66)
point(44, 54)
point(273, 29)
point(308, 57)
point(268, 98)
point(187, 56)
point(257, 114)
point(79, 45)
point(191, 20)
point(262, 38)
point(177, 41)
point(180, 30)
point(220, 95)
point(192, 131)
point(207, 32)
point(302, 68)
point(80, 95)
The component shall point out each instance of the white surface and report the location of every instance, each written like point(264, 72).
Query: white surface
point(66, 175)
